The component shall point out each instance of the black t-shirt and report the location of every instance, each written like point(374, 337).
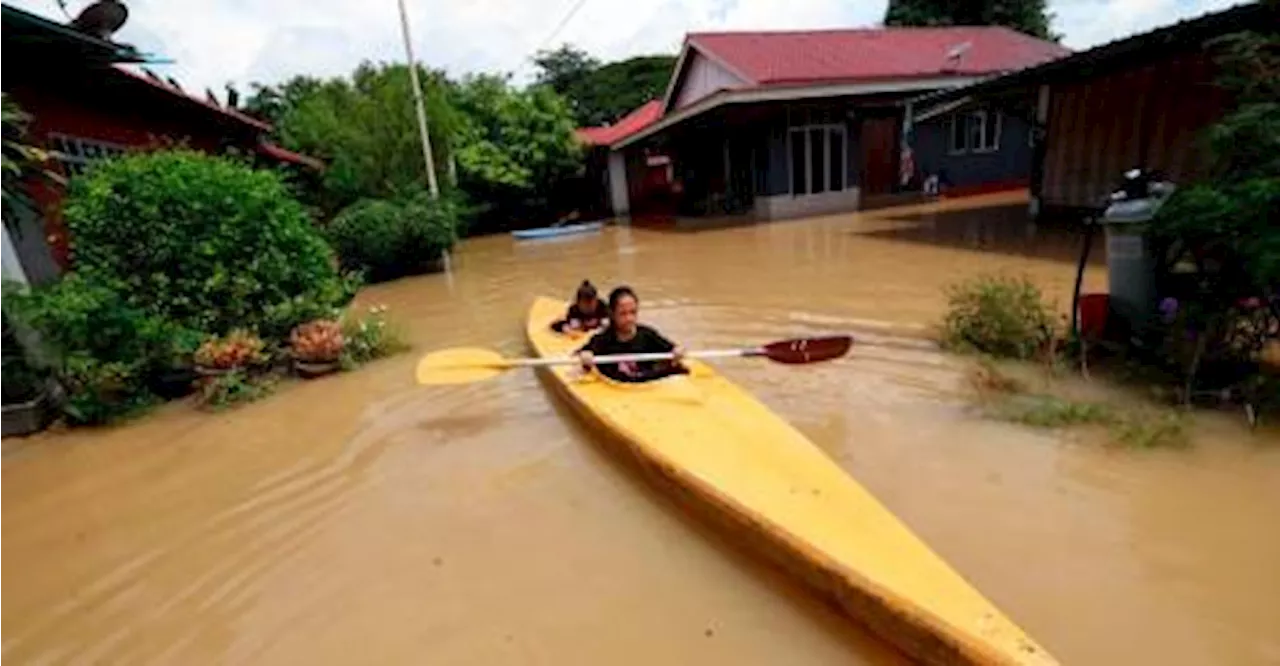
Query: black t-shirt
point(586, 320)
point(645, 341)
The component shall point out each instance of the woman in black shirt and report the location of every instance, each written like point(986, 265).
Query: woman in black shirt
point(587, 312)
point(625, 335)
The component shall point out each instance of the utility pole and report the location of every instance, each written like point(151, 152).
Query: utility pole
point(420, 104)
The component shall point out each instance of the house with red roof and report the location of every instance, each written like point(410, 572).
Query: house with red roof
point(84, 104)
point(1144, 101)
point(782, 124)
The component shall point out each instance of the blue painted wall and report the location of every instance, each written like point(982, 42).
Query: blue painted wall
point(1012, 160)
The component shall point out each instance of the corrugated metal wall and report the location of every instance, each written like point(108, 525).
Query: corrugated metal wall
point(1151, 116)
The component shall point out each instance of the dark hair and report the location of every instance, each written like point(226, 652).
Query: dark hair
point(586, 290)
point(618, 293)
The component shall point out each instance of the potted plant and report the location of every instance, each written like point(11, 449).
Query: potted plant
point(219, 355)
point(29, 394)
point(174, 371)
point(317, 347)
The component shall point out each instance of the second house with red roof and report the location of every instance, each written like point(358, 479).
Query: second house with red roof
point(783, 124)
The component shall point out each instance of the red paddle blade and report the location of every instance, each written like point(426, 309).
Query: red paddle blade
point(808, 350)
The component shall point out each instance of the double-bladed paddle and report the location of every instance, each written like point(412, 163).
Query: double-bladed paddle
point(463, 365)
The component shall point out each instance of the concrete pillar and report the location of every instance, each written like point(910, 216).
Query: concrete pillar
point(1039, 134)
point(12, 265)
point(618, 184)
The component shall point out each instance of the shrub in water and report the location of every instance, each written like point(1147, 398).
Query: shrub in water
point(205, 242)
point(370, 337)
point(998, 315)
point(102, 347)
point(234, 388)
point(386, 238)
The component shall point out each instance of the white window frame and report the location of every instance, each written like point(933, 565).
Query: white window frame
point(828, 129)
point(990, 142)
point(71, 151)
point(955, 119)
point(981, 120)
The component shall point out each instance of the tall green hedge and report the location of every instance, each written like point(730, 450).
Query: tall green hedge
point(386, 239)
point(204, 242)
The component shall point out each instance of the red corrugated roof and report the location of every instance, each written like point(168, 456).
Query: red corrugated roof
point(264, 147)
point(230, 113)
point(641, 117)
point(803, 57)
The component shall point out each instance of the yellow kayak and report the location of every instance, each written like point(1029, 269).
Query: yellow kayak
point(729, 457)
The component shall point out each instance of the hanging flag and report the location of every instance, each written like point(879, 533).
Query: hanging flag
point(906, 165)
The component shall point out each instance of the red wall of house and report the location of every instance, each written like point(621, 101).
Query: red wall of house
point(113, 107)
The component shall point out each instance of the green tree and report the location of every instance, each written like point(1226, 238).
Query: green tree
point(18, 160)
point(512, 146)
point(1028, 16)
point(1220, 239)
point(271, 103)
point(204, 242)
point(365, 130)
point(601, 93)
point(566, 71)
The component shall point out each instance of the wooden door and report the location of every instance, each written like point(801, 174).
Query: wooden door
point(879, 142)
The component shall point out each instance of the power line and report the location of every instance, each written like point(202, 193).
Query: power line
point(564, 21)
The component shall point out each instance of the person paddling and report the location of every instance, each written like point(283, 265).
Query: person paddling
point(587, 312)
point(626, 335)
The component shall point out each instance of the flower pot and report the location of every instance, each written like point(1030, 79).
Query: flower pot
point(174, 383)
point(313, 369)
point(25, 418)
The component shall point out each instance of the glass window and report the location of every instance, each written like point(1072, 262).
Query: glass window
point(817, 160)
point(836, 165)
point(75, 154)
point(977, 130)
point(798, 162)
point(959, 134)
point(992, 131)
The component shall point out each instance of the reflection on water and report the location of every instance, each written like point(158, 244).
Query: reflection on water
point(361, 519)
point(995, 229)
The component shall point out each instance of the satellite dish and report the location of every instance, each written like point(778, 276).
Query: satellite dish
point(101, 19)
point(959, 50)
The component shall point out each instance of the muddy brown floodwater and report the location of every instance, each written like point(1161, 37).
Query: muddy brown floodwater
point(359, 519)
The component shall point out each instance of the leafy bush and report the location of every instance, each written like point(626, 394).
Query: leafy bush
point(101, 346)
point(1048, 411)
point(21, 159)
point(358, 126)
point(1219, 239)
point(370, 337)
point(387, 239)
point(514, 148)
point(103, 391)
point(236, 387)
point(999, 315)
point(201, 241)
point(23, 378)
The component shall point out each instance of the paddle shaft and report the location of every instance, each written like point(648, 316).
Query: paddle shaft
point(632, 358)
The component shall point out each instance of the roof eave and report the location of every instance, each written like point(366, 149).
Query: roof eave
point(110, 51)
point(1176, 36)
point(786, 93)
point(691, 43)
